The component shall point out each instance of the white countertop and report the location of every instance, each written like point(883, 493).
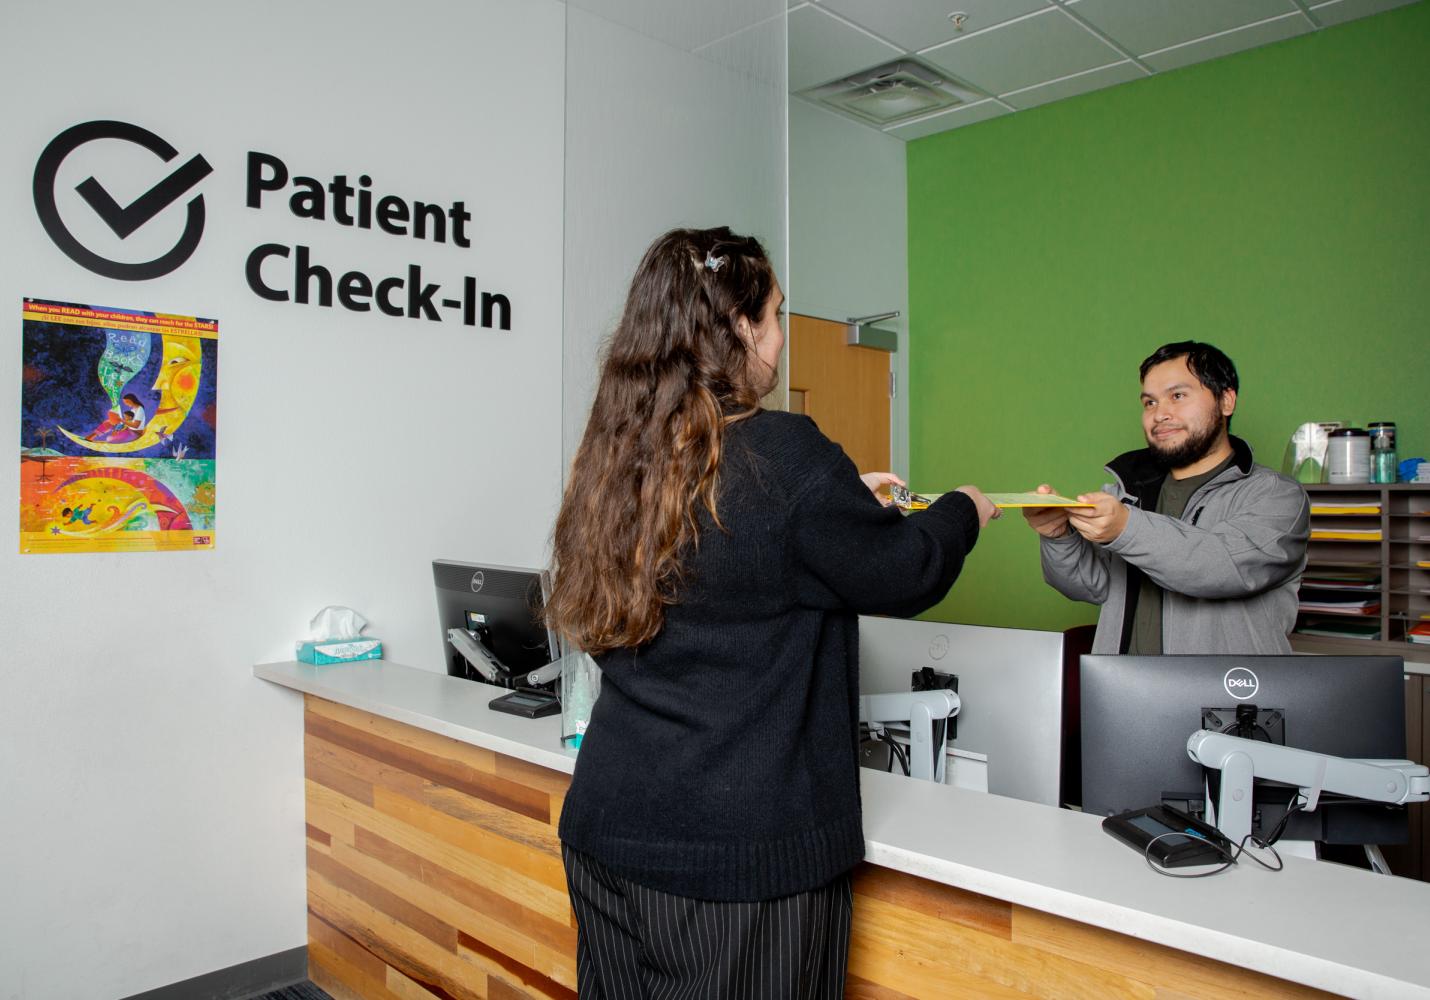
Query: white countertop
point(435, 702)
point(1324, 925)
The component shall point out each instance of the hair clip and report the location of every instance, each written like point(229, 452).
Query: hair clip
point(715, 263)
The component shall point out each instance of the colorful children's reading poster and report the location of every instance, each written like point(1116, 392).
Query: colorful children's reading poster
point(119, 411)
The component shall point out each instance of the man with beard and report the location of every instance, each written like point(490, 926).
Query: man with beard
point(1194, 548)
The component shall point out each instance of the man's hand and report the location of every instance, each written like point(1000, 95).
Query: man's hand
point(1050, 522)
point(1103, 522)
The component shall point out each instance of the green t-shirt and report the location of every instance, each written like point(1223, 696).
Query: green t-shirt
point(1146, 639)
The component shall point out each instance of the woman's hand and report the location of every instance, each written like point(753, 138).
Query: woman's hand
point(876, 481)
point(986, 511)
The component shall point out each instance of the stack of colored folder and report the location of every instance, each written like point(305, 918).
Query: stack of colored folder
point(1345, 534)
point(1343, 629)
point(1339, 602)
point(1365, 509)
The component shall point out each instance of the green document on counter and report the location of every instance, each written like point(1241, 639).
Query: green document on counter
point(1010, 500)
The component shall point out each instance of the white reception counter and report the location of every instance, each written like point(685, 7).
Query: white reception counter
point(1320, 924)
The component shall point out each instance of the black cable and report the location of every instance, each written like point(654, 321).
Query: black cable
point(1280, 827)
point(896, 751)
point(1232, 857)
point(900, 752)
point(1147, 857)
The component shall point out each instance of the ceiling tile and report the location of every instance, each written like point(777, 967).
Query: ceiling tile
point(920, 24)
point(1228, 42)
point(1022, 53)
point(1071, 86)
point(685, 24)
point(824, 48)
point(957, 118)
point(1341, 11)
point(1142, 26)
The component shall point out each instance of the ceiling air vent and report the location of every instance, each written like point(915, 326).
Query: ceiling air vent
point(892, 93)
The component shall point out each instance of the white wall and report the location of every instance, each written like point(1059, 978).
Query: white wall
point(659, 137)
point(849, 235)
point(151, 791)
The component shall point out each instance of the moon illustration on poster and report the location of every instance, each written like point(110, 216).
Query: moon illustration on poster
point(177, 383)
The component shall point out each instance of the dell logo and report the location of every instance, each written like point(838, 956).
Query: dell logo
point(478, 580)
point(1241, 683)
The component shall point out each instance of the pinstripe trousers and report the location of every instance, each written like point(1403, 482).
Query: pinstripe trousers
point(634, 943)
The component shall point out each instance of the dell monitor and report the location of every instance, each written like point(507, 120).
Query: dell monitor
point(1138, 712)
point(499, 607)
point(1010, 682)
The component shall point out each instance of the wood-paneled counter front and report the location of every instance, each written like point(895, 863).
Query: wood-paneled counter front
point(433, 865)
point(434, 870)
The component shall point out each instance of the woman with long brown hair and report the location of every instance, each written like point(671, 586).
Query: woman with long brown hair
point(713, 557)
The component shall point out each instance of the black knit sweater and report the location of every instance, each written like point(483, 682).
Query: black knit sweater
point(721, 760)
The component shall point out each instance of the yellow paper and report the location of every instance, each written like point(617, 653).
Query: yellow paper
point(1012, 500)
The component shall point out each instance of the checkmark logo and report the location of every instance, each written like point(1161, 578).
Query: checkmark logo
point(123, 220)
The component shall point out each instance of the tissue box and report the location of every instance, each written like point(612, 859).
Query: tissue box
point(339, 650)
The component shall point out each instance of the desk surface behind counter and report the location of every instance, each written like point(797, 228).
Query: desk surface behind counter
point(1323, 925)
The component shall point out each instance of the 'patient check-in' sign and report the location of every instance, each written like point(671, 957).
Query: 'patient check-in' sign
point(94, 220)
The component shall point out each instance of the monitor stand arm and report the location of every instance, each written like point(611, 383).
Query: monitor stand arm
point(920, 709)
point(1241, 761)
point(482, 661)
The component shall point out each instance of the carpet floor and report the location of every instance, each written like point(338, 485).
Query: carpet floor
point(298, 991)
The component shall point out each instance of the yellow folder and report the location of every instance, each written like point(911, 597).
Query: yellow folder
point(1012, 500)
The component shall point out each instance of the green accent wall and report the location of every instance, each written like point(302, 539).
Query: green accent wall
point(1275, 203)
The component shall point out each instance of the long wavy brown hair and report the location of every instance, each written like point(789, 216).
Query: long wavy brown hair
point(676, 373)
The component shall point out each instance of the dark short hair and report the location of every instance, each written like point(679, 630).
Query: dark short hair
point(1212, 368)
point(130, 395)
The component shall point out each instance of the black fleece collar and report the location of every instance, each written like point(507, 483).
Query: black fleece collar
point(1141, 476)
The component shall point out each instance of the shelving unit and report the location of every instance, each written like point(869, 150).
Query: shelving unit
point(1403, 591)
point(1394, 555)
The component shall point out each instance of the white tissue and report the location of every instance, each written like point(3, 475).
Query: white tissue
point(336, 622)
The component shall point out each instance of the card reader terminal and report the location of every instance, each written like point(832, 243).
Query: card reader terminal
point(527, 702)
point(1170, 837)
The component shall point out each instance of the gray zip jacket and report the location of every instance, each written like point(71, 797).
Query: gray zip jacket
point(1230, 567)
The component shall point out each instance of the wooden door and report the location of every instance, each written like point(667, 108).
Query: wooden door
point(844, 389)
